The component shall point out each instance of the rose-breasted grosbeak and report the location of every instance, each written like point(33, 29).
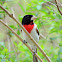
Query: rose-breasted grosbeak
point(31, 27)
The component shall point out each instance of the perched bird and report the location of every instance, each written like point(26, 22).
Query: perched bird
point(31, 27)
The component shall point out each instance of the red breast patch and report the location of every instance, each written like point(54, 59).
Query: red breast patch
point(29, 27)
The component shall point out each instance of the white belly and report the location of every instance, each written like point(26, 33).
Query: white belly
point(34, 35)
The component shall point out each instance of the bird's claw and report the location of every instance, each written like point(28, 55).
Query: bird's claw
point(24, 41)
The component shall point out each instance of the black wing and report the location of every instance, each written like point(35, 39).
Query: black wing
point(37, 31)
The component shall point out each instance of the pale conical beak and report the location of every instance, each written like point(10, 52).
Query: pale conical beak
point(33, 18)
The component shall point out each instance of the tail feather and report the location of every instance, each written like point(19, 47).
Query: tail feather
point(34, 57)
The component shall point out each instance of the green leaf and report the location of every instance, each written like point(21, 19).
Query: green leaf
point(10, 33)
point(2, 12)
point(22, 8)
point(18, 32)
point(48, 0)
point(3, 0)
point(12, 26)
point(60, 44)
point(42, 46)
point(20, 17)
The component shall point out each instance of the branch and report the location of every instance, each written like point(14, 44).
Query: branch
point(52, 3)
point(42, 36)
point(20, 39)
point(48, 59)
point(13, 12)
point(58, 7)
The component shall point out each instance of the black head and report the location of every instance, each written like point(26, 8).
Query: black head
point(26, 19)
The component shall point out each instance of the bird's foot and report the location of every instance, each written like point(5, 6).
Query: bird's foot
point(24, 41)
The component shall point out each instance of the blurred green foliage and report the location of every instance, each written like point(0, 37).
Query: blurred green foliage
point(49, 22)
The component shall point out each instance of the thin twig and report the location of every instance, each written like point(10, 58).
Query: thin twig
point(58, 7)
point(20, 39)
point(51, 3)
point(41, 35)
point(13, 12)
point(54, 4)
point(48, 59)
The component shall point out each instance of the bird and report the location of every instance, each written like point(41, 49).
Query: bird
point(31, 27)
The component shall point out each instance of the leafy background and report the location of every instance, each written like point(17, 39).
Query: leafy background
point(49, 22)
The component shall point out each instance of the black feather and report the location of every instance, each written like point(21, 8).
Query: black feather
point(37, 31)
point(26, 19)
